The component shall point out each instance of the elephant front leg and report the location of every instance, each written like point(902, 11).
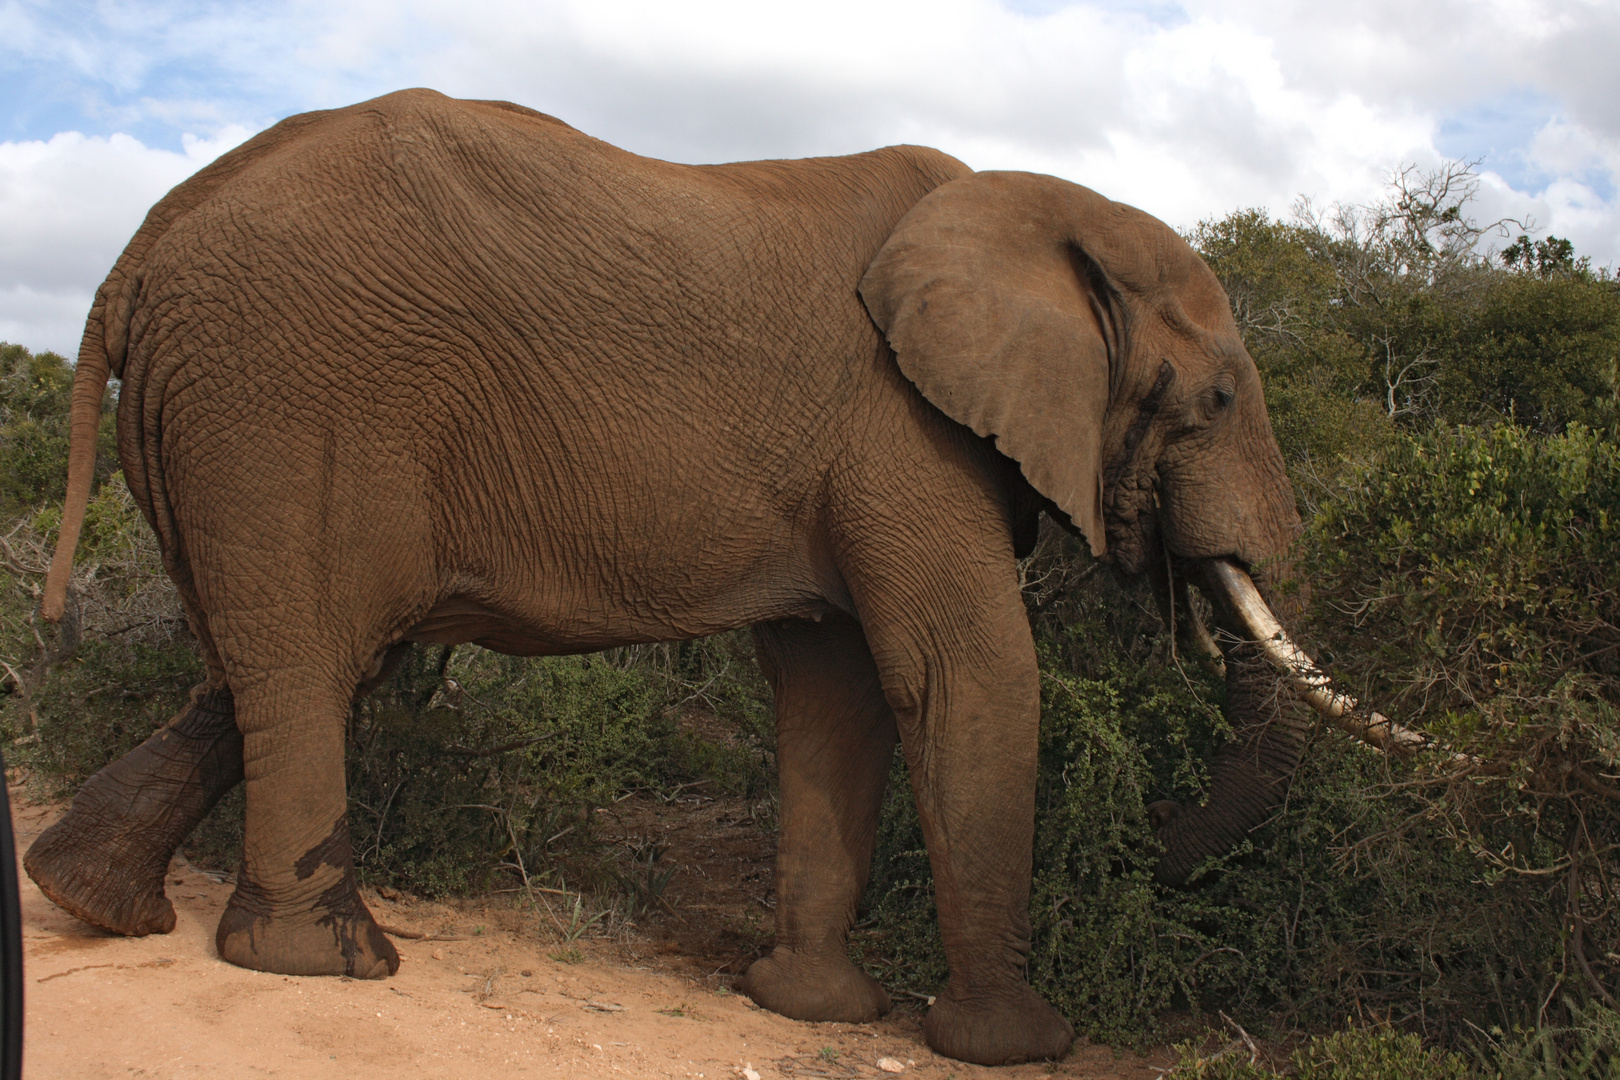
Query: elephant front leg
point(965, 693)
point(105, 860)
point(297, 909)
point(834, 736)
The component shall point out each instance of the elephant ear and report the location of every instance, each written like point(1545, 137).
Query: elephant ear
point(999, 313)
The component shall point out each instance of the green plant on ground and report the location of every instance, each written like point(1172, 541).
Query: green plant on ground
point(1587, 1047)
point(120, 664)
point(1351, 1054)
point(645, 884)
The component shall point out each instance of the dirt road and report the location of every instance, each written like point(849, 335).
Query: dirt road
point(494, 1002)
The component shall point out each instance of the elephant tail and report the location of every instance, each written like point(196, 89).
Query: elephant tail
point(84, 419)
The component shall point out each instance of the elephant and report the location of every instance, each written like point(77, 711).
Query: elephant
point(432, 370)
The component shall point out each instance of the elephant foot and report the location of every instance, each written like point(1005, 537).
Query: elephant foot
point(105, 860)
point(819, 986)
point(1002, 1030)
point(99, 879)
point(336, 937)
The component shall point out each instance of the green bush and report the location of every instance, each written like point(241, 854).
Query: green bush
point(1470, 579)
point(469, 764)
point(34, 393)
point(1351, 1054)
point(1586, 1048)
point(104, 701)
point(119, 665)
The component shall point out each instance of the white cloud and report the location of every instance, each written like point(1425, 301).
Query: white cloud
point(1186, 110)
point(44, 319)
point(67, 208)
point(1185, 120)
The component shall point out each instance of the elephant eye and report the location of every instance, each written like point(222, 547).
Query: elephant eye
point(1220, 398)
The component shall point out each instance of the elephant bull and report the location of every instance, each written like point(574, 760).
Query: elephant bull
point(426, 370)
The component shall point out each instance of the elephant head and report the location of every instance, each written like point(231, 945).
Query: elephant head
point(1099, 351)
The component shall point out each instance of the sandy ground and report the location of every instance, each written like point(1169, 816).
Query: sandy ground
point(491, 1003)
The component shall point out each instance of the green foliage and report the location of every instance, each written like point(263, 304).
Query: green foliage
point(1471, 579)
point(120, 664)
point(1491, 558)
point(34, 393)
point(1540, 349)
point(467, 763)
point(103, 702)
point(1389, 315)
point(1351, 1054)
point(1587, 1048)
point(1544, 258)
point(1375, 1055)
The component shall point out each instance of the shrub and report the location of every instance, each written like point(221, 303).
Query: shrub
point(1471, 579)
point(469, 763)
point(118, 666)
point(34, 392)
point(1586, 1048)
point(1351, 1054)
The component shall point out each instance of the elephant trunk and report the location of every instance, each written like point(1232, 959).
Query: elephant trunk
point(1265, 672)
point(1249, 775)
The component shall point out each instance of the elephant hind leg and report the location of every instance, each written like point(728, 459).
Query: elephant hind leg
point(297, 908)
point(835, 736)
point(104, 861)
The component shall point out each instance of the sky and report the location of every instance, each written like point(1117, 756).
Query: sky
point(1187, 109)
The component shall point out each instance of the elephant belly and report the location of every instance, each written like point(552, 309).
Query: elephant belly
point(458, 621)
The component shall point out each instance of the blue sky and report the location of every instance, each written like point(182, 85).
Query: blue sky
point(1188, 109)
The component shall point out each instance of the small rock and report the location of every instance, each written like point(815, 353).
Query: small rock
point(386, 893)
point(890, 1065)
point(748, 1072)
point(438, 954)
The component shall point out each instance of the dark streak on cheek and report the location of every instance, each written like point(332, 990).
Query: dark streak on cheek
point(1128, 484)
point(1145, 412)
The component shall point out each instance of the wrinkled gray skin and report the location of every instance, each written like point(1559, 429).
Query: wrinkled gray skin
point(424, 370)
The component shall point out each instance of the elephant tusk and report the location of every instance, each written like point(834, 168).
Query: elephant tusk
point(1261, 626)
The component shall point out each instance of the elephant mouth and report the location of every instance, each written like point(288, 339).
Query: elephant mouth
point(1242, 611)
